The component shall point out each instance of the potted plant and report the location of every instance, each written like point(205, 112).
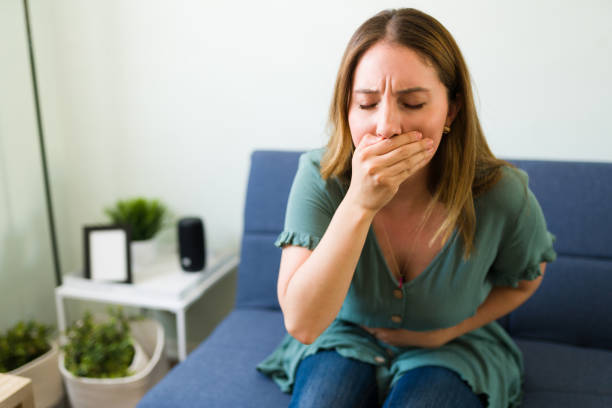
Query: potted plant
point(111, 362)
point(145, 218)
point(27, 350)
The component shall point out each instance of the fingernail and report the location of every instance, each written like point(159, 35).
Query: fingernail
point(429, 142)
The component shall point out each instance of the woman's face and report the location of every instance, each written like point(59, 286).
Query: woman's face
point(395, 91)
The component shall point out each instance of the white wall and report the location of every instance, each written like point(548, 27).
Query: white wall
point(168, 98)
point(26, 264)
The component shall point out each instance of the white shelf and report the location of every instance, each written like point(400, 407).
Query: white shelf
point(163, 286)
point(164, 278)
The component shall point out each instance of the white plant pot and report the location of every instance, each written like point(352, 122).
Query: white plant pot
point(126, 391)
point(143, 253)
point(140, 359)
point(45, 376)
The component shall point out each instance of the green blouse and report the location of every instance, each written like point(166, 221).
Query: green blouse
point(510, 243)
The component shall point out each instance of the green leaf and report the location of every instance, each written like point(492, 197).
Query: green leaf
point(145, 217)
point(99, 350)
point(23, 343)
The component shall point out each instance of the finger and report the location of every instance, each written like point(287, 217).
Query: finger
point(408, 137)
point(367, 140)
point(412, 164)
point(403, 169)
point(403, 172)
point(402, 159)
point(389, 144)
point(386, 145)
point(385, 335)
point(405, 152)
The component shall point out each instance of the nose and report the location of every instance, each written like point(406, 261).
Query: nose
point(388, 121)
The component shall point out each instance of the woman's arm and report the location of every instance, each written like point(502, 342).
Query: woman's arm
point(500, 302)
point(312, 285)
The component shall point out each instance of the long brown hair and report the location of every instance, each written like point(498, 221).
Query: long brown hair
point(464, 165)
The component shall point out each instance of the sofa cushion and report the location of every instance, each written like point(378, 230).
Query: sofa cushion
point(221, 371)
point(575, 198)
point(270, 180)
point(572, 305)
point(258, 271)
point(560, 375)
point(542, 399)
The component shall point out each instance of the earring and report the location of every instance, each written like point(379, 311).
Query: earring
point(446, 130)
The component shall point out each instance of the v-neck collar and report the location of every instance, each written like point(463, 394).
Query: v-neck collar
point(381, 255)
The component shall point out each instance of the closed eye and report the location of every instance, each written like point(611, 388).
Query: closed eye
point(370, 106)
point(419, 106)
point(373, 105)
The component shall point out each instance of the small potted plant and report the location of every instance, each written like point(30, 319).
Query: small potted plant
point(111, 362)
point(27, 350)
point(145, 219)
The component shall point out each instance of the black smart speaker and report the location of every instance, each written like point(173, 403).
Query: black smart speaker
point(192, 245)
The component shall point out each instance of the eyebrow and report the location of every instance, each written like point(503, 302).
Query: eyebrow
point(400, 92)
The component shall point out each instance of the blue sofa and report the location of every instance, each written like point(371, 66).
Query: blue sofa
point(564, 329)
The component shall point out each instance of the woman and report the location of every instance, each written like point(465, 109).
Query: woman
point(405, 238)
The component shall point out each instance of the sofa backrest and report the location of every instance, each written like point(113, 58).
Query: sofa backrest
point(268, 188)
point(574, 302)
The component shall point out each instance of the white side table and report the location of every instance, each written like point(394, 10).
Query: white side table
point(162, 286)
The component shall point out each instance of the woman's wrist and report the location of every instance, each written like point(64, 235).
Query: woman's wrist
point(357, 212)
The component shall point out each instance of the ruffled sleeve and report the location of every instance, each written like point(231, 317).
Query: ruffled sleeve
point(297, 238)
point(310, 206)
point(525, 243)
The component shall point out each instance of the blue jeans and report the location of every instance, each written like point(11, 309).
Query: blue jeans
point(326, 379)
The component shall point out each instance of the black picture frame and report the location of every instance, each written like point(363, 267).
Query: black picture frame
point(107, 255)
